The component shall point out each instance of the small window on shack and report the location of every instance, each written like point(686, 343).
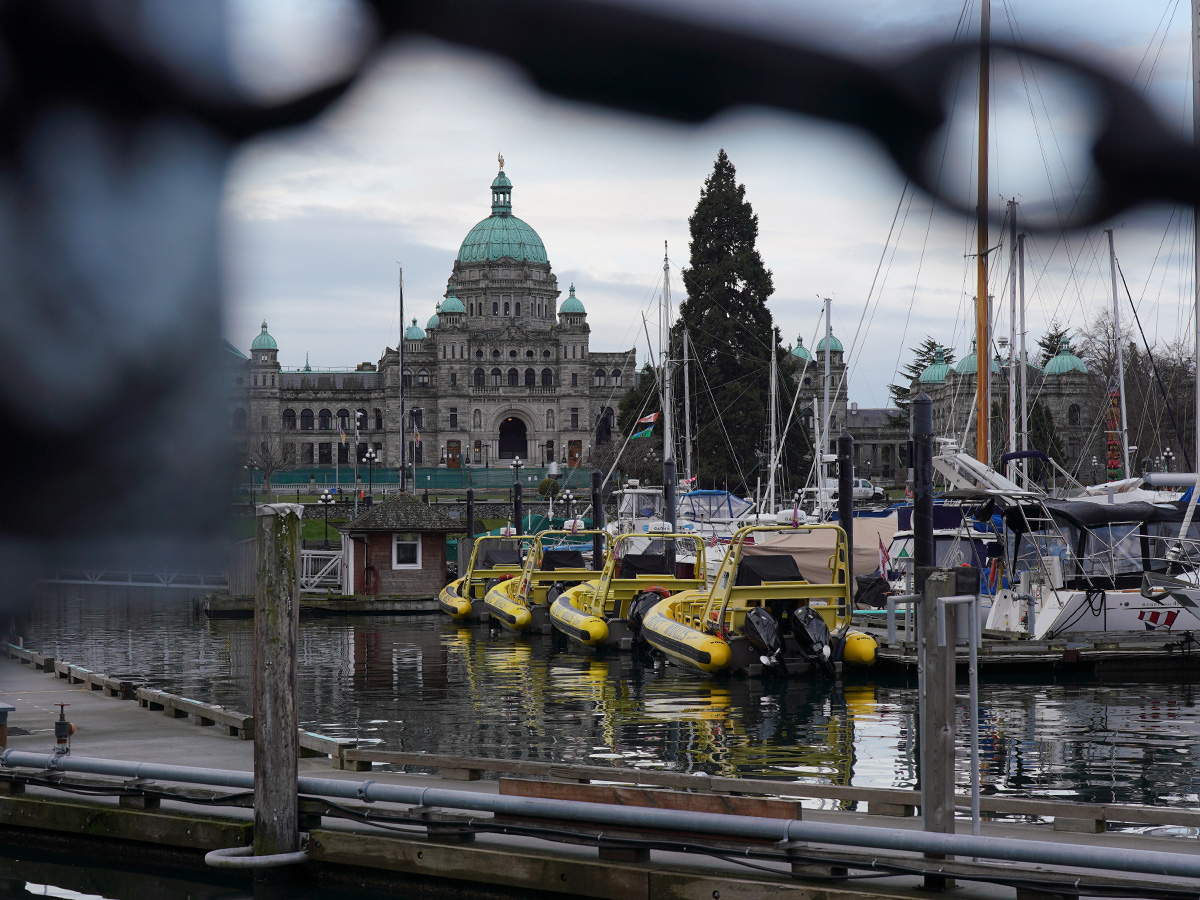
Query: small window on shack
point(406, 551)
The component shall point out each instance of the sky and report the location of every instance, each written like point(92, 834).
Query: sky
point(317, 222)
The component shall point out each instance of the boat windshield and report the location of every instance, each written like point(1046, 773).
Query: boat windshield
point(1164, 535)
point(1035, 546)
point(640, 505)
point(1112, 550)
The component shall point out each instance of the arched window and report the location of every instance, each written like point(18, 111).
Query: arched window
point(530, 378)
point(406, 378)
point(549, 420)
point(616, 377)
point(513, 378)
point(495, 308)
point(1073, 414)
point(239, 419)
point(326, 420)
point(506, 307)
point(479, 378)
point(547, 378)
point(263, 422)
point(512, 354)
point(495, 354)
point(471, 308)
point(289, 420)
point(422, 378)
point(477, 420)
point(529, 354)
point(364, 421)
point(343, 419)
point(379, 420)
point(479, 354)
point(496, 376)
point(545, 354)
point(517, 309)
point(598, 378)
point(306, 421)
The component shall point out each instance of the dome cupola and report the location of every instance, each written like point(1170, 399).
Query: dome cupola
point(572, 305)
point(970, 363)
point(800, 351)
point(936, 371)
point(502, 234)
point(834, 344)
point(264, 341)
point(414, 332)
point(451, 304)
point(434, 319)
point(1065, 361)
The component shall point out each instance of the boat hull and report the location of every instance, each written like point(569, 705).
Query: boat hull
point(452, 603)
point(687, 646)
point(510, 614)
point(579, 626)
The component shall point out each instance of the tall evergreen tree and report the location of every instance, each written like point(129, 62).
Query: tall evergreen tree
point(923, 356)
point(731, 329)
point(1050, 342)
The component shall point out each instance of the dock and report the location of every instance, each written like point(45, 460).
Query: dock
point(355, 841)
point(223, 606)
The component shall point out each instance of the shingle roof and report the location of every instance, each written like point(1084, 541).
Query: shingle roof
point(403, 512)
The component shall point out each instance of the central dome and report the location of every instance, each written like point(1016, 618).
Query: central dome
point(502, 234)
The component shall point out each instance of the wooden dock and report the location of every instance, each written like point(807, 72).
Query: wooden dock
point(223, 606)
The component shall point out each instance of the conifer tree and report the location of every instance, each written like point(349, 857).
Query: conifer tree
point(1051, 342)
point(923, 356)
point(731, 330)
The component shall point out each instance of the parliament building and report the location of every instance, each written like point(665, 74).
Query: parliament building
point(501, 370)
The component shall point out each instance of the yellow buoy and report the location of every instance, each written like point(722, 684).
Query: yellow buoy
point(859, 649)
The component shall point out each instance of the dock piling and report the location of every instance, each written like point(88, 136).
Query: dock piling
point(845, 454)
point(935, 674)
point(276, 631)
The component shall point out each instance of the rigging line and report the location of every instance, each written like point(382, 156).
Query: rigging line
point(728, 441)
point(1154, 365)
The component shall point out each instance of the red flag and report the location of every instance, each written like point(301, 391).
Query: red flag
point(884, 559)
point(649, 420)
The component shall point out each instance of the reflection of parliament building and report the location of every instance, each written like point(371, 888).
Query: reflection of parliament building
point(501, 370)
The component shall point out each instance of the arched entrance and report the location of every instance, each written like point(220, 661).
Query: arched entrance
point(514, 440)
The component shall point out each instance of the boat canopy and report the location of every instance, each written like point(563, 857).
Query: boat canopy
point(702, 506)
point(1087, 515)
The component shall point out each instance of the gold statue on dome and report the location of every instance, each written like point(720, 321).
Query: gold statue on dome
point(500, 159)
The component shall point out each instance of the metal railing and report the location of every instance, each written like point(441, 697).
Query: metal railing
point(320, 571)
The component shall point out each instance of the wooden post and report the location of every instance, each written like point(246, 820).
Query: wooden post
point(845, 453)
point(935, 674)
point(276, 718)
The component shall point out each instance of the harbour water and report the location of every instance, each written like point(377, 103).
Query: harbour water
point(423, 684)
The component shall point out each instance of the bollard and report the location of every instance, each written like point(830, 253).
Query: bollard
point(276, 718)
point(845, 454)
point(922, 462)
point(518, 507)
point(471, 514)
point(597, 522)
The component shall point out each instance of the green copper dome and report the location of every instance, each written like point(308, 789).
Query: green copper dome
point(572, 304)
point(936, 371)
point(452, 304)
point(502, 234)
point(434, 319)
point(264, 341)
point(835, 345)
point(1065, 361)
point(800, 351)
point(967, 365)
point(414, 332)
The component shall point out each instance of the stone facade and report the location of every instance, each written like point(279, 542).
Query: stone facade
point(500, 371)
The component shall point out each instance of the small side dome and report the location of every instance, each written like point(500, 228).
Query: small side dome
point(834, 344)
point(434, 319)
point(414, 332)
point(936, 371)
point(452, 304)
point(800, 351)
point(1065, 361)
point(572, 304)
point(264, 341)
point(968, 364)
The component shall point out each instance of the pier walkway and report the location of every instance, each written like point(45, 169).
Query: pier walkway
point(113, 728)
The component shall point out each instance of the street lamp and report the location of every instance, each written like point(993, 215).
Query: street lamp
point(250, 475)
point(325, 500)
point(1168, 456)
point(568, 498)
point(1095, 476)
point(370, 456)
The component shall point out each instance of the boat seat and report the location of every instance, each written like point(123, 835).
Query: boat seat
point(754, 570)
point(562, 559)
point(635, 564)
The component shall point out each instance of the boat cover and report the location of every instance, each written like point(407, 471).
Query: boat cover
point(499, 556)
point(634, 564)
point(562, 559)
point(812, 550)
point(1088, 515)
point(754, 570)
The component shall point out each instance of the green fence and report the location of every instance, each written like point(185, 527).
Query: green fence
point(431, 478)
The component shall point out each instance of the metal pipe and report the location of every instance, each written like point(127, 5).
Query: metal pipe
point(783, 830)
point(922, 520)
point(894, 600)
point(845, 451)
point(597, 522)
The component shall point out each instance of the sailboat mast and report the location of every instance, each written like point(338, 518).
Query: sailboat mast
point(1012, 328)
point(983, 343)
point(1112, 265)
point(825, 421)
point(668, 402)
point(1196, 214)
point(771, 441)
point(400, 344)
point(1024, 356)
point(687, 416)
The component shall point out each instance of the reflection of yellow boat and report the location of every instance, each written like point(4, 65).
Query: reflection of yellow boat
point(554, 562)
point(639, 570)
point(492, 557)
point(742, 623)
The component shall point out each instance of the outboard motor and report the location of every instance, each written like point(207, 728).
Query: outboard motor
point(639, 606)
point(812, 634)
point(763, 633)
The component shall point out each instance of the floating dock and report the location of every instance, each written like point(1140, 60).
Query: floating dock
point(352, 842)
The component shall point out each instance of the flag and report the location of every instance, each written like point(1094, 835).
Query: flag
point(417, 434)
point(796, 511)
point(649, 420)
point(884, 559)
point(641, 434)
point(341, 434)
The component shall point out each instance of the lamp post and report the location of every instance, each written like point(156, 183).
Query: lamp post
point(568, 498)
point(517, 465)
point(1168, 457)
point(370, 456)
point(1095, 476)
point(325, 500)
point(250, 475)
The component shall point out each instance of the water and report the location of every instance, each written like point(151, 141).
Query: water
point(423, 684)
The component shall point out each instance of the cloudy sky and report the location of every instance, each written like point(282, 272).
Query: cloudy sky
point(318, 221)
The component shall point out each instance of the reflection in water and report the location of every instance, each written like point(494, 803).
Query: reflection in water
point(421, 683)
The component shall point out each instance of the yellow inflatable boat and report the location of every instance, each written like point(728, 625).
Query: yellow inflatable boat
point(492, 558)
point(762, 615)
point(639, 570)
point(555, 561)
